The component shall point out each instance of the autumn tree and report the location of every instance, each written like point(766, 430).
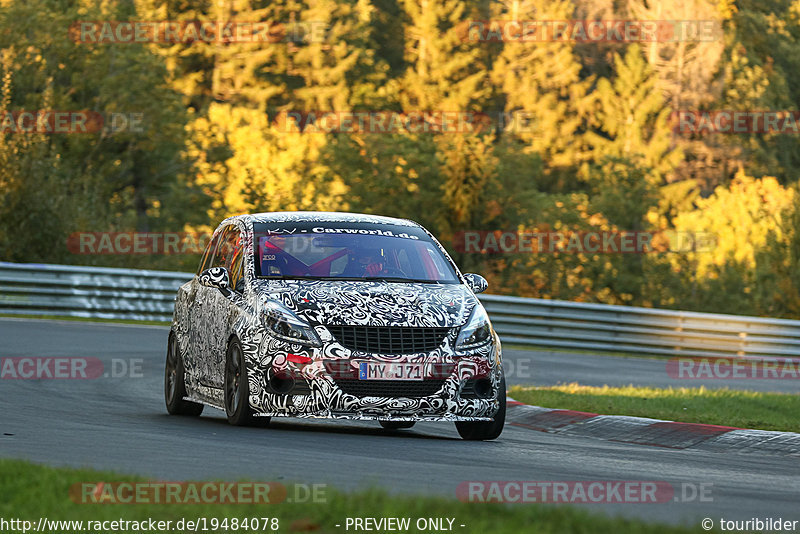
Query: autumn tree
point(445, 71)
point(631, 117)
point(543, 80)
point(740, 216)
point(115, 178)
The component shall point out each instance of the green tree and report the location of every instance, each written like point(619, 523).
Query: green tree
point(631, 118)
point(777, 278)
point(445, 71)
point(33, 213)
point(544, 81)
point(110, 180)
point(341, 72)
point(388, 174)
point(247, 164)
point(741, 217)
point(468, 167)
point(625, 193)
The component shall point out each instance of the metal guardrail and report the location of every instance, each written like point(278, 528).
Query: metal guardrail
point(97, 292)
point(629, 329)
point(110, 293)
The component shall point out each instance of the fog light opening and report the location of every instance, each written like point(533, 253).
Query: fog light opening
point(483, 388)
point(281, 383)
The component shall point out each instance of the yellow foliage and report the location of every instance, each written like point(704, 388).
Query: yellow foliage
point(267, 169)
point(741, 216)
point(727, 8)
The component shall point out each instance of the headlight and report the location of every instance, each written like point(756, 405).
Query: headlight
point(286, 326)
point(477, 332)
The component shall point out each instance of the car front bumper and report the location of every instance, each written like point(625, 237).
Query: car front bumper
point(326, 385)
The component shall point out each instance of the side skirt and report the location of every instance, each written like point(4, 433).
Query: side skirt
point(207, 395)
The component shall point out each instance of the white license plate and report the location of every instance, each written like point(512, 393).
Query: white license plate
point(389, 371)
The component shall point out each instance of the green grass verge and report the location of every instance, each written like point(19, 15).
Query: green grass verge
point(744, 409)
point(31, 491)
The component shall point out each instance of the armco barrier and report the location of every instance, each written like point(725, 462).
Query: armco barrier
point(99, 292)
point(629, 329)
point(110, 293)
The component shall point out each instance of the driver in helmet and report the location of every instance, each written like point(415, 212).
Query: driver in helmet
point(366, 262)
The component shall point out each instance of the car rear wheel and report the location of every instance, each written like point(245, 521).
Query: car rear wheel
point(236, 388)
point(396, 425)
point(486, 430)
point(174, 384)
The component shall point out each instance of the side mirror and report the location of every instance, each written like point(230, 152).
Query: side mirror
point(476, 282)
point(216, 277)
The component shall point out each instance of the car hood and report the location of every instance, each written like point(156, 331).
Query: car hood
point(371, 303)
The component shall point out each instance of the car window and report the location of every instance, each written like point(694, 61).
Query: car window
point(350, 252)
point(437, 260)
point(208, 254)
point(234, 263)
point(229, 254)
point(402, 260)
point(224, 248)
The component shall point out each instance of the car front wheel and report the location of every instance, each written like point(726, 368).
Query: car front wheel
point(236, 387)
point(486, 430)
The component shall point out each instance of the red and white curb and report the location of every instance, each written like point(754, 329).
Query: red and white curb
point(653, 432)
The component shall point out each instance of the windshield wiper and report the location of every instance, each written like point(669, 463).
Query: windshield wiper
point(354, 279)
point(307, 277)
point(298, 277)
point(400, 279)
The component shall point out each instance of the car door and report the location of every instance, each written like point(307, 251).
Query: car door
point(195, 295)
point(208, 317)
point(222, 307)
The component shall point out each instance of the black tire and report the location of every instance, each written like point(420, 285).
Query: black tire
point(236, 389)
point(397, 425)
point(486, 430)
point(174, 384)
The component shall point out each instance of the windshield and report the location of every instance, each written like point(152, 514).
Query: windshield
point(350, 251)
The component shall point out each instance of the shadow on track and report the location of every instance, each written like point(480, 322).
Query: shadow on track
point(301, 425)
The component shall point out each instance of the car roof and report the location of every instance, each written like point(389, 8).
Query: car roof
point(317, 216)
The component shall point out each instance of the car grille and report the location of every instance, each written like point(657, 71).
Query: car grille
point(390, 388)
point(389, 339)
